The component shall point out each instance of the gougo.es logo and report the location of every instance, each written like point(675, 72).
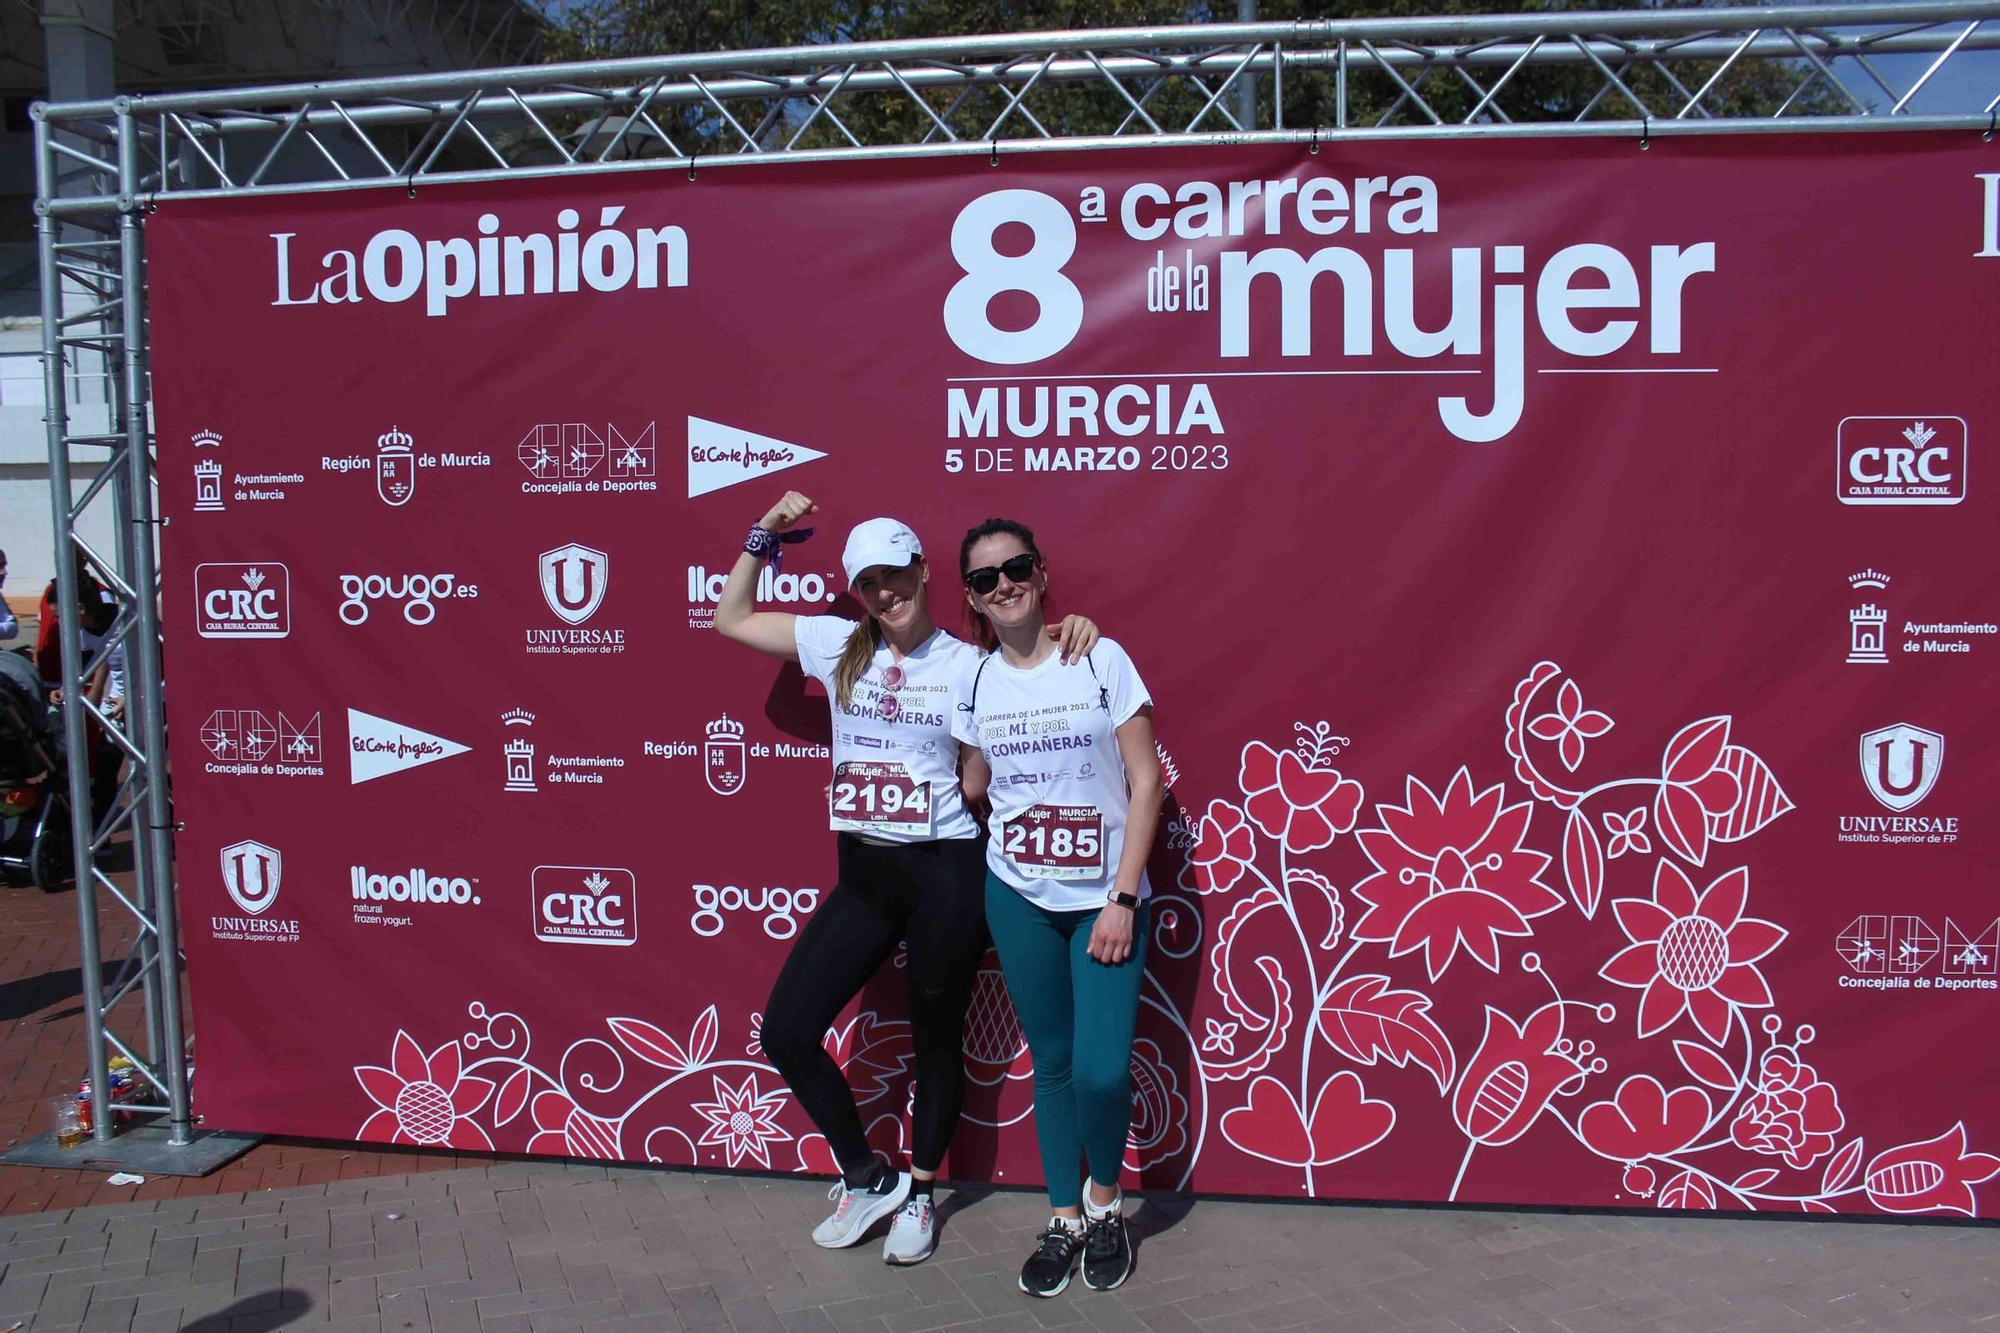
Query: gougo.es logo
point(417, 593)
point(777, 904)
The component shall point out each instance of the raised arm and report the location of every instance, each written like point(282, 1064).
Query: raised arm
point(736, 615)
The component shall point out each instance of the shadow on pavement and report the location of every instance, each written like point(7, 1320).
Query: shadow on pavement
point(253, 1314)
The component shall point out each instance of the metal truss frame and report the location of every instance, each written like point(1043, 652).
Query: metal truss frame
point(102, 165)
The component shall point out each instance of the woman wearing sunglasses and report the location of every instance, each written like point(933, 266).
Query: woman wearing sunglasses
point(909, 855)
point(1075, 787)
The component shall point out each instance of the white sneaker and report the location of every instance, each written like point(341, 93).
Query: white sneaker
point(913, 1235)
point(854, 1211)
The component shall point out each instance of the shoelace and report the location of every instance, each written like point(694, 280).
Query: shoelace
point(1100, 1235)
point(844, 1195)
point(918, 1211)
point(1056, 1243)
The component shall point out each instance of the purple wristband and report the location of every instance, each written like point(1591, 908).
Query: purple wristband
point(768, 545)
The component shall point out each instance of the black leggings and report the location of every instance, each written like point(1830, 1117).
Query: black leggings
point(930, 894)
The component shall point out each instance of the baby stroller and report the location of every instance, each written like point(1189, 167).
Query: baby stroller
point(34, 780)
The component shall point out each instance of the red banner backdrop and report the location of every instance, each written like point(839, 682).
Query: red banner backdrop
point(1564, 572)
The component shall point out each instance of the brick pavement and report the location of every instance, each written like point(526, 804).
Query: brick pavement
point(41, 1052)
point(538, 1247)
point(334, 1235)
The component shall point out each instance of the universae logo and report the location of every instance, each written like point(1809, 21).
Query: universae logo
point(1900, 764)
point(252, 872)
point(574, 578)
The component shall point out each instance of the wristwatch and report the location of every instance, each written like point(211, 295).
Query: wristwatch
point(1127, 900)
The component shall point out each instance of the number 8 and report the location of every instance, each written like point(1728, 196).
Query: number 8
point(1059, 305)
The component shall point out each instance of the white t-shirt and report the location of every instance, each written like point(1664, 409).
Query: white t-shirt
point(1059, 793)
point(895, 767)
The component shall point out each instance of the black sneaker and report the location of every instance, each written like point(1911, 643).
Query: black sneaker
point(1107, 1252)
point(1048, 1269)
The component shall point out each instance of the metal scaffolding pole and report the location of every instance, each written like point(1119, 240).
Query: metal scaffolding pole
point(102, 164)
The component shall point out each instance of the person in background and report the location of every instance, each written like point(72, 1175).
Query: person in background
point(9, 626)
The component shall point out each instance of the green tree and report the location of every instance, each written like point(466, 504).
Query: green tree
point(596, 29)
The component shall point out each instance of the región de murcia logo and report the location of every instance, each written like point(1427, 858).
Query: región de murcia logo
point(396, 462)
point(722, 757)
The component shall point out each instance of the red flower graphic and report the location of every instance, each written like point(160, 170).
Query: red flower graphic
point(1643, 1120)
point(885, 1136)
point(1570, 725)
point(1792, 1114)
point(1223, 851)
point(1693, 955)
point(1159, 1109)
point(743, 1121)
point(561, 1126)
point(1451, 872)
point(1696, 786)
point(428, 1099)
point(1345, 1120)
point(1518, 1068)
point(1305, 808)
point(1628, 833)
point(1936, 1175)
point(1639, 1179)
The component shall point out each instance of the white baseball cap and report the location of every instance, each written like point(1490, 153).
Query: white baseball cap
point(879, 541)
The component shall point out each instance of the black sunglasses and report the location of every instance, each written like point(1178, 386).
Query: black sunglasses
point(1018, 570)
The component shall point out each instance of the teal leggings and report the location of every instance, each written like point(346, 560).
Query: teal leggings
point(1078, 1016)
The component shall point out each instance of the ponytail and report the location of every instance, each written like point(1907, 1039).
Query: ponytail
point(862, 642)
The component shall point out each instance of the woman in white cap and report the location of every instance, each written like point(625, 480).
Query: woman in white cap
point(911, 857)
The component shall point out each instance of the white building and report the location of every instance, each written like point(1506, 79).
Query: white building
point(69, 50)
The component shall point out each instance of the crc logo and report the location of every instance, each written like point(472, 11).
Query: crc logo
point(417, 592)
point(1901, 461)
point(409, 886)
point(239, 601)
point(573, 581)
point(1900, 764)
point(251, 872)
point(777, 905)
point(1885, 945)
point(723, 757)
point(585, 905)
